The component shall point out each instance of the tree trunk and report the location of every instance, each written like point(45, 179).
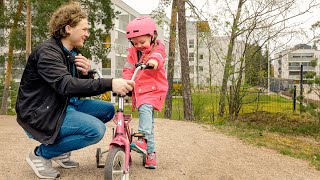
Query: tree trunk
point(5, 96)
point(227, 67)
point(185, 70)
point(28, 30)
point(1, 3)
point(172, 52)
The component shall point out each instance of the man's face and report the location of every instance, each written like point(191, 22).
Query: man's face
point(78, 34)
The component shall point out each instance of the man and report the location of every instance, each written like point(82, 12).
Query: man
point(48, 105)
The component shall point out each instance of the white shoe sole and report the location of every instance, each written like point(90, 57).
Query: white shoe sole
point(34, 168)
point(64, 166)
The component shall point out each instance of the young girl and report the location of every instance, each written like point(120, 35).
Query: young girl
point(151, 85)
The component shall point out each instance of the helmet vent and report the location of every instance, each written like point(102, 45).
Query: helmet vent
point(135, 30)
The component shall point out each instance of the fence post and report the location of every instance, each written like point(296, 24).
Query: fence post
point(301, 88)
point(294, 97)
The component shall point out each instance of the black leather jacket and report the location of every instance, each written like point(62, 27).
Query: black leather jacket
point(45, 88)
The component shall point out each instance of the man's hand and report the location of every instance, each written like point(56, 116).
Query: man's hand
point(153, 63)
point(122, 86)
point(82, 64)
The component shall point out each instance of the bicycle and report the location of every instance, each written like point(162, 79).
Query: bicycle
point(119, 158)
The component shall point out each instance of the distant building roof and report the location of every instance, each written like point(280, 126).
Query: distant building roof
point(302, 46)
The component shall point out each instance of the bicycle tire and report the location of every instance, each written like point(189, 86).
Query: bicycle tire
point(115, 164)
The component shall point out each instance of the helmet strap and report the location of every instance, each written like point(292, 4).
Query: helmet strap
point(153, 39)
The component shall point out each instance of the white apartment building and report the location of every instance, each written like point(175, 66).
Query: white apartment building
point(118, 43)
point(198, 39)
point(287, 64)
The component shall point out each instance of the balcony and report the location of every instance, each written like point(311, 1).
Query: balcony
point(298, 68)
point(106, 71)
point(118, 48)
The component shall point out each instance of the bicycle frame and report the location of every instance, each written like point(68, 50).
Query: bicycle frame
point(122, 136)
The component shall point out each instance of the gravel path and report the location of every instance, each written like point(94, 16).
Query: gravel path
point(184, 150)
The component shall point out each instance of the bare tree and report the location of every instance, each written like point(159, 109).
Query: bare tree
point(227, 67)
point(185, 71)
point(260, 21)
point(13, 31)
point(172, 52)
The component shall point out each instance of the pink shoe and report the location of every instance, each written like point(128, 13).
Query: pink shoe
point(151, 161)
point(140, 146)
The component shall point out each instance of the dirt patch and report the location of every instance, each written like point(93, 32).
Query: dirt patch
point(184, 150)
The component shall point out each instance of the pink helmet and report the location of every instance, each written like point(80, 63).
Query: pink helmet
point(141, 26)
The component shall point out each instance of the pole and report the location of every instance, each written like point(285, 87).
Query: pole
point(301, 88)
point(268, 59)
point(268, 75)
point(294, 97)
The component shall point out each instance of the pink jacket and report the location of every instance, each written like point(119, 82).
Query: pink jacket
point(151, 85)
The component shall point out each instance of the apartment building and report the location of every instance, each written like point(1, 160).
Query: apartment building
point(206, 63)
point(287, 63)
point(117, 42)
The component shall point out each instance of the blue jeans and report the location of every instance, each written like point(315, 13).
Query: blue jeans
point(146, 125)
point(82, 126)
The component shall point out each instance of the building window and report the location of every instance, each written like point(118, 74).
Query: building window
point(191, 69)
point(201, 68)
point(122, 18)
point(191, 43)
point(305, 63)
point(294, 73)
point(191, 56)
point(107, 42)
point(201, 56)
point(106, 66)
point(294, 64)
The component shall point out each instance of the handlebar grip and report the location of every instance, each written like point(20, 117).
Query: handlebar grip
point(149, 67)
point(129, 93)
point(92, 71)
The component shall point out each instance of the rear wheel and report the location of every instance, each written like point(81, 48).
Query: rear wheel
point(115, 165)
point(98, 158)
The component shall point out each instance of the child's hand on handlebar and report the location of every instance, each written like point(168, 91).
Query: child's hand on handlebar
point(153, 63)
point(122, 86)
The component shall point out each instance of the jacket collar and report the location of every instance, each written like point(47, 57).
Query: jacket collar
point(59, 43)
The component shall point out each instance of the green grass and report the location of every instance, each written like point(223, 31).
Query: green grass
point(290, 134)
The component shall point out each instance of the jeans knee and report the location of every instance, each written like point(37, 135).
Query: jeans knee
point(97, 134)
point(109, 115)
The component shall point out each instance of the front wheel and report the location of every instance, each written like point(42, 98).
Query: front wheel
point(115, 165)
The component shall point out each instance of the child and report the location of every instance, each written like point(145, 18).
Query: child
point(151, 85)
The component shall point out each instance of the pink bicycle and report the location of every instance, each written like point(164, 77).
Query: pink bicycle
point(119, 157)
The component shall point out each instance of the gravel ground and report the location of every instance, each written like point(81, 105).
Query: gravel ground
point(184, 150)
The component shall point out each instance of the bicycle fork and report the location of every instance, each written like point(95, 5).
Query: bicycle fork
point(120, 138)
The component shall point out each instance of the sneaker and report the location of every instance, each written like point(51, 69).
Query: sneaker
point(140, 146)
point(151, 161)
point(64, 161)
point(41, 166)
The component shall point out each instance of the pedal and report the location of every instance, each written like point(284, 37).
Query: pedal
point(138, 134)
